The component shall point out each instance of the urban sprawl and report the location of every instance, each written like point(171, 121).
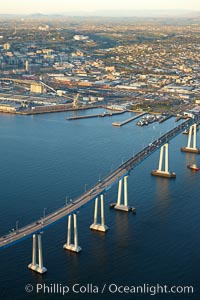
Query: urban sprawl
point(64, 63)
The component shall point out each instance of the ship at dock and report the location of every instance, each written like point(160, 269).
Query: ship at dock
point(148, 119)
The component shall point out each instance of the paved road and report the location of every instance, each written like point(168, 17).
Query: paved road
point(99, 188)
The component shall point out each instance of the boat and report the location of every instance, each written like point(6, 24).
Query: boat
point(148, 119)
point(151, 119)
point(140, 123)
point(103, 114)
point(193, 167)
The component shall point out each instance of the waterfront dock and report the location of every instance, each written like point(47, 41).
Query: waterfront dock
point(180, 118)
point(119, 124)
point(165, 118)
point(104, 114)
point(52, 109)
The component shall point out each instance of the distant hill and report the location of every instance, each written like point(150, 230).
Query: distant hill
point(135, 13)
point(170, 13)
point(31, 16)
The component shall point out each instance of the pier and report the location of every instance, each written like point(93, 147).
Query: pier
point(165, 118)
point(119, 124)
point(36, 110)
point(105, 114)
point(180, 118)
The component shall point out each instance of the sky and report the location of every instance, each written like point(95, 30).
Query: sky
point(59, 6)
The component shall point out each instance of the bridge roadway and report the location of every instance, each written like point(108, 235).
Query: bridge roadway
point(100, 188)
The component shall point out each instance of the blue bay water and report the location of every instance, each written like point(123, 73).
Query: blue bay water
point(45, 158)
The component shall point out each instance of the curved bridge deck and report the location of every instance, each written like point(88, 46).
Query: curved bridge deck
point(100, 188)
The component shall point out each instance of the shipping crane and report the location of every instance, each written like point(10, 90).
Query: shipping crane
point(38, 86)
point(49, 87)
point(76, 102)
point(75, 98)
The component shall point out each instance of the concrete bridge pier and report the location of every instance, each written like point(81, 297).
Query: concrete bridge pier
point(163, 172)
point(68, 246)
point(39, 268)
point(119, 205)
point(192, 144)
point(99, 226)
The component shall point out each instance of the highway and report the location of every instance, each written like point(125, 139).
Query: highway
point(99, 188)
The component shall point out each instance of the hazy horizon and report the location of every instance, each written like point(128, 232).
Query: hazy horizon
point(89, 6)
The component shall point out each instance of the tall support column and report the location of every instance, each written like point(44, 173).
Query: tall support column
point(96, 210)
point(102, 211)
point(160, 159)
point(119, 205)
point(190, 136)
point(39, 268)
point(68, 246)
point(99, 226)
point(166, 158)
point(125, 191)
point(195, 136)
point(192, 141)
point(160, 172)
point(119, 192)
point(75, 232)
point(34, 251)
point(69, 230)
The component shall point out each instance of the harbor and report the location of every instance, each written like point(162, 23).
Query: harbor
point(149, 118)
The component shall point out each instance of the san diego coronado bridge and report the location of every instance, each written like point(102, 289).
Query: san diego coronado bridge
point(120, 176)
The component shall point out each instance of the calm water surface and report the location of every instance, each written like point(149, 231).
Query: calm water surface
point(45, 158)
